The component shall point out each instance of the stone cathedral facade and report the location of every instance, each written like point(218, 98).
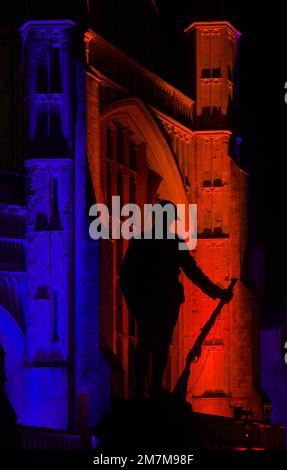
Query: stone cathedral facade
point(97, 124)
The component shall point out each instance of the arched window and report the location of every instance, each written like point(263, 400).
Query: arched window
point(55, 77)
point(42, 73)
point(123, 158)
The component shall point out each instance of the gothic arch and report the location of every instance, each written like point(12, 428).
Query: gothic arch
point(160, 158)
point(133, 116)
point(13, 342)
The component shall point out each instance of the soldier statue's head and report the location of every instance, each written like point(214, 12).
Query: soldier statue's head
point(166, 204)
point(169, 214)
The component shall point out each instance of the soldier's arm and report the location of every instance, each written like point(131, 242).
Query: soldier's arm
point(197, 276)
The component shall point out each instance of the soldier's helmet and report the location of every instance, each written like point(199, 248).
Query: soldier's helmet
point(166, 203)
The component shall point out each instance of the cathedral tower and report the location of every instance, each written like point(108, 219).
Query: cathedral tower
point(225, 376)
point(48, 115)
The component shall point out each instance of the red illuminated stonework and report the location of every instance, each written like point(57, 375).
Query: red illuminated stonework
point(145, 140)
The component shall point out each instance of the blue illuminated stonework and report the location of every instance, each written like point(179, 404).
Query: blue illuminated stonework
point(53, 363)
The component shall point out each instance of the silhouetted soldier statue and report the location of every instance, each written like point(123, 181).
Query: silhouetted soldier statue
point(153, 293)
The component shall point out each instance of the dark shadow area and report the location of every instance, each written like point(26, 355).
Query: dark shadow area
point(150, 424)
point(8, 433)
point(12, 188)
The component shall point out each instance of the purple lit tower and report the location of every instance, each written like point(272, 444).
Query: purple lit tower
point(62, 373)
point(49, 218)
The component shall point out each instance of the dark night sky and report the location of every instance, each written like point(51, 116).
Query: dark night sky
point(157, 41)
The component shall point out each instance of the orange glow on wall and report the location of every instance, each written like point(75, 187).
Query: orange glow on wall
point(183, 163)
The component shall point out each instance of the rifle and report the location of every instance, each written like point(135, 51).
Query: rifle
point(180, 389)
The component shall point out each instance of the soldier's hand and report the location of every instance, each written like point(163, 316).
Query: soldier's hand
point(197, 355)
point(226, 295)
